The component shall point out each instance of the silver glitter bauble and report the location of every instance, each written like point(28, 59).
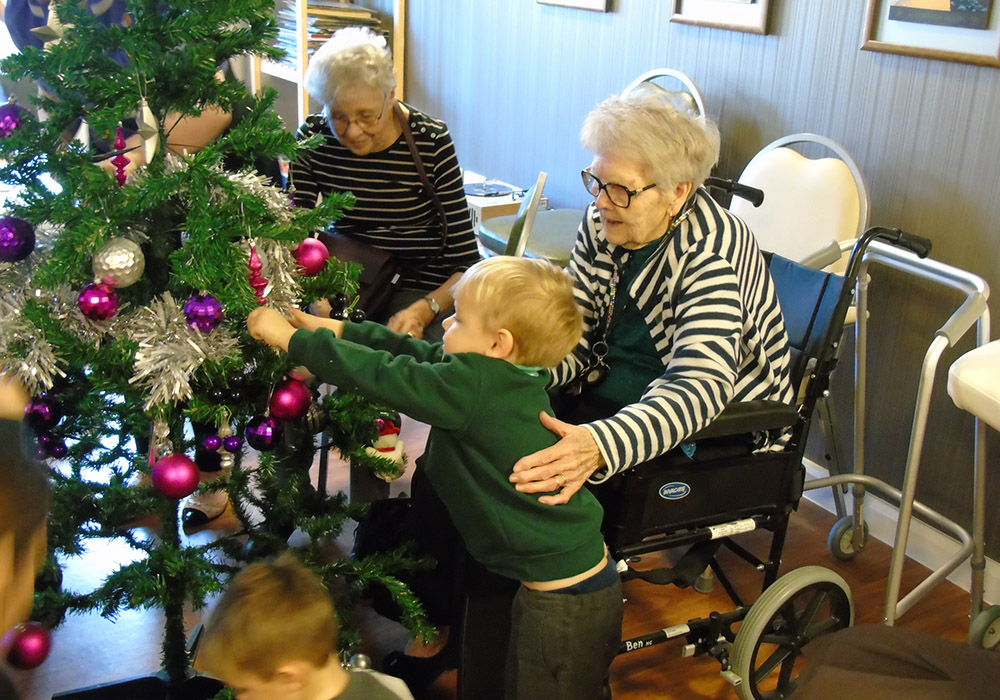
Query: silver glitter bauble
point(119, 262)
point(360, 661)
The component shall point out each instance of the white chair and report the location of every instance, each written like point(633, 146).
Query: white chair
point(809, 203)
point(810, 206)
point(974, 386)
point(677, 87)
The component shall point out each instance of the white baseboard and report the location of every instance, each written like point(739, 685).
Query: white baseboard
point(927, 545)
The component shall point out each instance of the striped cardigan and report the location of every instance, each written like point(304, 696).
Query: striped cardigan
point(393, 211)
point(713, 315)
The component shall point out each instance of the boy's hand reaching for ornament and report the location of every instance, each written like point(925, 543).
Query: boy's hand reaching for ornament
point(301, 319)
point(269, 326)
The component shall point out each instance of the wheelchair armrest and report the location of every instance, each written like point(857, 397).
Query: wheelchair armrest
point(748, 417)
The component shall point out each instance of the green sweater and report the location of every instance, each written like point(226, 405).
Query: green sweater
point(483, 414)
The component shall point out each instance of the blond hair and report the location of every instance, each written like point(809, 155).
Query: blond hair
point(351, 57)
point(272, 613)
point(674, 146)
point(531, 298)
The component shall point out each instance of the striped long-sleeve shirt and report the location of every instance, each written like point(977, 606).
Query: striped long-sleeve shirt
point(393, 210)
point(713, 315)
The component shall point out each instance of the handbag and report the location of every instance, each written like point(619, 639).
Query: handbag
point(380, 275)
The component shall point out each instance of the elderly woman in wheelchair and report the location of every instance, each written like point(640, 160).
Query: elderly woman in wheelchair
point(681, 313)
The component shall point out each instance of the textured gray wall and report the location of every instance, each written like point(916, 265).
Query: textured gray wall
point(514, 79)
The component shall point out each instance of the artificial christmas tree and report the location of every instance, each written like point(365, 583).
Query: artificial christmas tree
point(123, 296)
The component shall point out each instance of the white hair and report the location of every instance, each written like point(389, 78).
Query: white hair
point(352, 57)
point(673, 145)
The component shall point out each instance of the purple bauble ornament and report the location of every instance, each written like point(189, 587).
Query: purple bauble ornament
point(11, 118)
point(27, 645)
point(211, 443)
point(98, 301)
point(290, 399)
point(42, 413)
point(232, 443)
point(204, 312)
point(17, 239)
point(264, 433)
point(311, 255)
point(175, 476)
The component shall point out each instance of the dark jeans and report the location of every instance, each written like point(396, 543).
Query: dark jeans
point(561, 645)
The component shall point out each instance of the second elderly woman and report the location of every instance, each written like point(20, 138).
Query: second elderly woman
point(364, 152)
point(681, 316)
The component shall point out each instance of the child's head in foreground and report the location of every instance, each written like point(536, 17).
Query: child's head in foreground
point(524, 303)
point(272, 630)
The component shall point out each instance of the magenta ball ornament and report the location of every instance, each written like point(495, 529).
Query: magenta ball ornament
point(290, 399)
point(42, 413)
point(17, 239)
point(27, 645)
point(11, 118)
point(175, 476)
point(98, 301)
point(311, 255)
point(204, 312)
point(264, 433)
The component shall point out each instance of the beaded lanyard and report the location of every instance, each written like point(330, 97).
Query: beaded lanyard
point(597, 368)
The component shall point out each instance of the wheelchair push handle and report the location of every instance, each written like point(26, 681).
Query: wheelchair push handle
point(911, 241)
point(751, 194)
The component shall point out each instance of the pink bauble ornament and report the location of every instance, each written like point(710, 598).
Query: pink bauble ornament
point(290, 399)
point(204, 312)
point(264, 433)
point(98, 301)
point(175, 476)
point(27, 645)
point(311, 255)
point(17, 239)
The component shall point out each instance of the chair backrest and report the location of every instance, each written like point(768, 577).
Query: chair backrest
point(520, 231)
point(677, 87)
point(808, 202)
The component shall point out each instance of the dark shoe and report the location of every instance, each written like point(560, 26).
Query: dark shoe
point(417, 672)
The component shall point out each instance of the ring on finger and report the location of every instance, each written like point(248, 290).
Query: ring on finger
point(561, 483)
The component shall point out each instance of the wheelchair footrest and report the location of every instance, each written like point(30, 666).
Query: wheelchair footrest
point(685, 572)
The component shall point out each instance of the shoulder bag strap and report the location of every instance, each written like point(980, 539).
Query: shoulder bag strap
point(404, 125)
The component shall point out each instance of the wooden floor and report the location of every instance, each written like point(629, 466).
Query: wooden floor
point(89, 650)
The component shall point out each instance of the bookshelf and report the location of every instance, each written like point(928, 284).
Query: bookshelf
point(305, 25)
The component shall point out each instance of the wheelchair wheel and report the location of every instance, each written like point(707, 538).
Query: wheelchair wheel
point(801, 605)
point(841, 536)
point(984, 633)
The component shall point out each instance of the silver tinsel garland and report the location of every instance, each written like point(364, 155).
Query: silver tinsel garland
point(39, 367)
point(170, 351)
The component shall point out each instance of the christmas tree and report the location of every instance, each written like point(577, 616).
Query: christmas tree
point(123, 297)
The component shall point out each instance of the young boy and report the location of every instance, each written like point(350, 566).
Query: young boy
point(481, 391)
point(273, 636)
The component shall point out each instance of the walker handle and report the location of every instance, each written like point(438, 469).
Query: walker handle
point(911, 241)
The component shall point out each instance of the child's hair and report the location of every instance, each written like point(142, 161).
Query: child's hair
point(531, 298)
point(272, 613)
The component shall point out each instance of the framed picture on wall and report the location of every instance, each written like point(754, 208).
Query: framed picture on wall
point(598, 5)
point(738, 15)
point(965, 31)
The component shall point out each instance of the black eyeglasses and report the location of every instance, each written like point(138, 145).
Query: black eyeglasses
point(365, 120)
point(620, 195)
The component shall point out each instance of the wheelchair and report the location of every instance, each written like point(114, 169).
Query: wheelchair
point(675, 501)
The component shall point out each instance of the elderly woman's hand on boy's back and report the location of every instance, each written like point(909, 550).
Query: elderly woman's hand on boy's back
point(563, 468)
